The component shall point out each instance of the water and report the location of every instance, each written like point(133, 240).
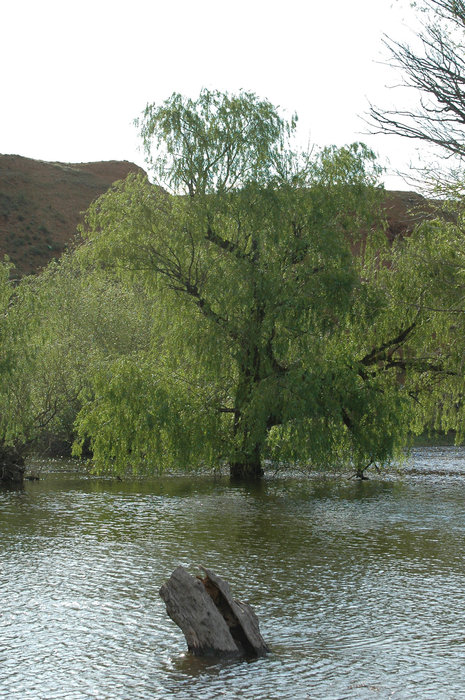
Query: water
point(359, 587)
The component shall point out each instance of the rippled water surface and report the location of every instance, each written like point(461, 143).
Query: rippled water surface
point(359, 587)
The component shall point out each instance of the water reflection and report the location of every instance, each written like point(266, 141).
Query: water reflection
point(358, 586)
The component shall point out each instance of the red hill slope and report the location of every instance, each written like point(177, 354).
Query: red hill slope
point(41, 204)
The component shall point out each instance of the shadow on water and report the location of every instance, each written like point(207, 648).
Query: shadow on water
point(12, 488)
point(190, 487)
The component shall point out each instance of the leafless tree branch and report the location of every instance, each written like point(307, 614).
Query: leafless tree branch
point(437, 72)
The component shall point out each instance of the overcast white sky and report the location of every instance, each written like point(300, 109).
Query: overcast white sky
point(76, 73)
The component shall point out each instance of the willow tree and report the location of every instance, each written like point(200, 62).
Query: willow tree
point(249, 258)
point(54, 328)
point(11, 460)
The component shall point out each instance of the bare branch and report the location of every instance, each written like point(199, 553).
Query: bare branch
point(437, 73)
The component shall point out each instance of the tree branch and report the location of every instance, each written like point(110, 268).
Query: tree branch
point(224, 244)
point(437, 71)
point(392, 345)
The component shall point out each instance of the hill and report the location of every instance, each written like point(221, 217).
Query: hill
point(41, 204)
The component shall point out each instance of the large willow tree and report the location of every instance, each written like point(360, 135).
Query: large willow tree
point(272, 339)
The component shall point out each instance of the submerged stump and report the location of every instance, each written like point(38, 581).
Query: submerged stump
point(11, 465)
point(213, 622)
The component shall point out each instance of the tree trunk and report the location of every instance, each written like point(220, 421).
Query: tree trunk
point(247, 469)
point(245, 465)
point(249, 433)
point(11, 465)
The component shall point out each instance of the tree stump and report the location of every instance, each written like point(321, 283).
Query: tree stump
point(11, 465)
point(213, 623)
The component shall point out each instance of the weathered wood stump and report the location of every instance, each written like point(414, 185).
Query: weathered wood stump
point(213, 622)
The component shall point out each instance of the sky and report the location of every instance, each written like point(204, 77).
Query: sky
point(75, 74)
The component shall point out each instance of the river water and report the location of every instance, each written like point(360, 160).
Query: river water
point(359, 587)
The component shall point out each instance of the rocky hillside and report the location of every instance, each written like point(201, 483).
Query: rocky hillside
point(42, 203)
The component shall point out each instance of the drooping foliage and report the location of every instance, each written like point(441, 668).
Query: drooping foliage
point(256, 315)
point(260, 302)
point(216, 143)
point(56, 328)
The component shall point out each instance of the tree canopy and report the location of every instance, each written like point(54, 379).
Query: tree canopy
point(55, 329)
point(216, 143)
point(263, 312)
